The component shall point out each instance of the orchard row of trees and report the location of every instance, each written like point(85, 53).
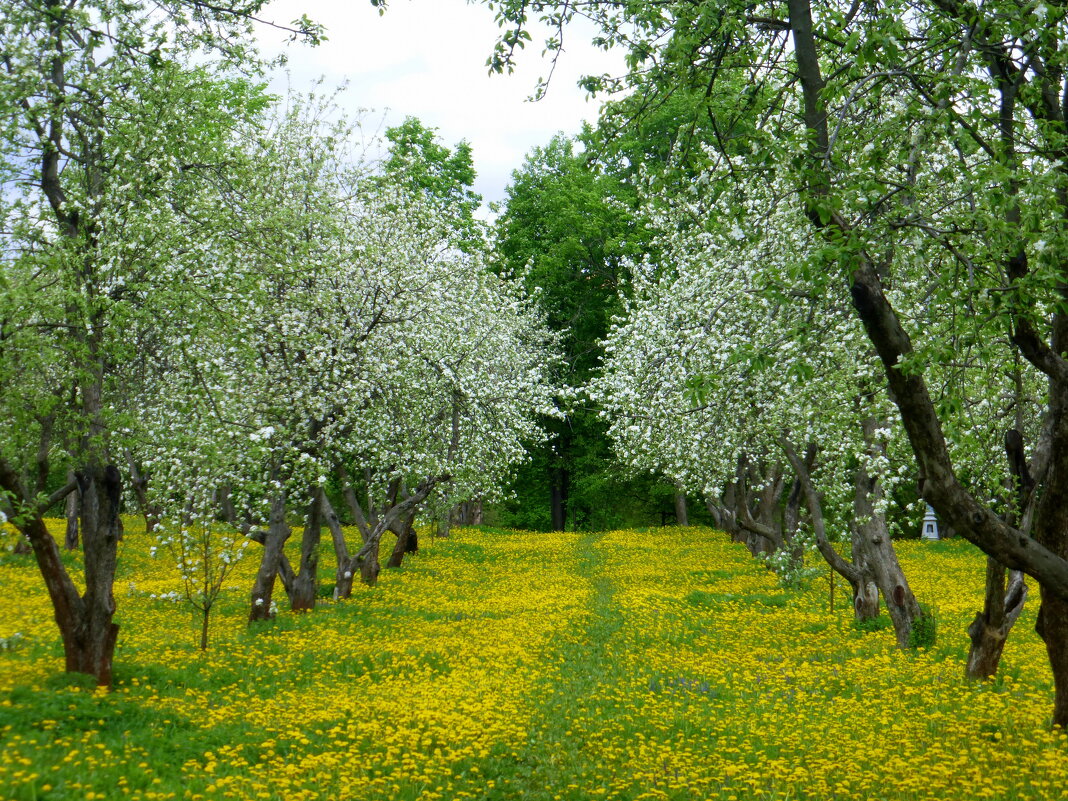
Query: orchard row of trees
point(224, 304)
point(809, 268)
point(856, 290)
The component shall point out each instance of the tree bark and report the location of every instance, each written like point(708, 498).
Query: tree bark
point(341, 548)
point(101, 496)
point(274, 541)
point(876, 551)
point(1002, 606)
point(861, 583)
point(1051, 531)
point(405, 542)
point(205, 616)
point(306, 585)
point(72, 509)
point(139, 483)
point(990, 629)
point(85, 622)
point(682, 516)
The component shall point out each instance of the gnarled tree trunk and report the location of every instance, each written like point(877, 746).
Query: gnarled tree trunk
point(990, 629)
point(860, 579)
point(306, 584)
point(1002, 605)
point(337, 535)
point(406, 542)
point(85, 622)
point(274, 541)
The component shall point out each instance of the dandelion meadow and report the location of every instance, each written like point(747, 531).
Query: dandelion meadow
point(658, 664)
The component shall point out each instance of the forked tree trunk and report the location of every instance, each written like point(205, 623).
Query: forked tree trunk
point(366, 559)
point(85, 622)
point(1002, 606)
point(758, 530)
point(306, 585)
point(990, 629)
point(880, 562)
point(273, 542)
point(723, 512)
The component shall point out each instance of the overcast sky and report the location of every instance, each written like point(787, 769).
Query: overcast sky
point(426, 58)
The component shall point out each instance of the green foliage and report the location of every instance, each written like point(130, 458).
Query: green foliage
point(443, 177)
point(567, 231)
point(567, 228)
point(924, 632)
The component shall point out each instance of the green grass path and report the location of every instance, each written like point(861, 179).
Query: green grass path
point(577, 697)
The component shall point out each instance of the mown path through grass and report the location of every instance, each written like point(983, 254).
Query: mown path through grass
point(556, 763)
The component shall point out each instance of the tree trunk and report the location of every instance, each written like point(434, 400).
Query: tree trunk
point(990, 629)
point(865, 590)
point(404, 542)
point(369, 565)
point(1051, 530)
point(139, 483)
point(274, 541)
point(206, 613)
point(443, 527)
point(306, 584)
point(1002, 606)
point(72, 508)
point(348, 492)
point(791, 517)
point(85, 622)
point(877, 555)
point(367, 557)
point(860, 582)
point(95, 636)
point(341, 548)
point(682, 517)
point(724, 512)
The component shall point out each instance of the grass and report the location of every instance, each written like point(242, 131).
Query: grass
point(501, 665)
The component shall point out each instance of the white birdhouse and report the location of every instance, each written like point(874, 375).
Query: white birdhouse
point(930, 525)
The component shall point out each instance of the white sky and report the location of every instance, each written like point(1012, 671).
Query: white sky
point(426, 58)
